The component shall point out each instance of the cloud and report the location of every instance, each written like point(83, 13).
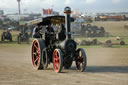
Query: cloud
point(67, 2)
point(90, 1)
point(48, 2)
point(115, 1)
point(58, 5)
point(8, 4)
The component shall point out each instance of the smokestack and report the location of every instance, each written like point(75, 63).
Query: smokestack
point(18, 6)
point(67, 12)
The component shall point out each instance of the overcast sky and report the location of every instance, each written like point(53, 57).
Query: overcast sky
point(10, 6)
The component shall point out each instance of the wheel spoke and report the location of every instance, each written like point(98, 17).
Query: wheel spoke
point(55, 54)
point(81, 59)
point(57, 62)
point(34, 53)
point(38, 53)
point(55, 66)
point(57, 59)
point(35, 46)
point(77, 58)
point(37, 58)
point(78, 64)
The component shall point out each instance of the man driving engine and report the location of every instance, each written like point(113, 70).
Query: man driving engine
point(49, 28)
point(49, 34)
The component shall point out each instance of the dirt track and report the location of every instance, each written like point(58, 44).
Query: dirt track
point(106, 66)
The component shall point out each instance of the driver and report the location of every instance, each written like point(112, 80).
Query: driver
point(36, 32)
point(49, 29)
point(49, 34)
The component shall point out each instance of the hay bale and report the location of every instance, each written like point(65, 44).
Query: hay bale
point(85, 42)
point(89, 39)
point(94, 41)
point(78, 41)
point(122, 43)
point(117, 38)
point(82, 42)
point(108, 43)
point(100, 42)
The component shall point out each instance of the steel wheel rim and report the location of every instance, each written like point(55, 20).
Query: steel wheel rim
point(35, 54)
point(56, 60)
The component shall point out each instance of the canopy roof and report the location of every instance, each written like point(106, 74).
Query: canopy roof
point(53, 20)
point(49, 20)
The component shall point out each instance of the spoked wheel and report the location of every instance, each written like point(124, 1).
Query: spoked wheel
point(81, 59)
point(37, 47)
point(57, 60)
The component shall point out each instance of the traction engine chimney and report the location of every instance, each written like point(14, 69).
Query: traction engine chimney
point(67, 12)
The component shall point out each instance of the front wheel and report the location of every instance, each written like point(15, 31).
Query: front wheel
point(57, 60)
point(81, 59)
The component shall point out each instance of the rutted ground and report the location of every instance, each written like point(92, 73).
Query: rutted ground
point(106, 66)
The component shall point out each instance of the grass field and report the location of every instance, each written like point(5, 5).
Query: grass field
point(114, 28)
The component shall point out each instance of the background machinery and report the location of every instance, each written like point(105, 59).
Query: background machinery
point(6, 36)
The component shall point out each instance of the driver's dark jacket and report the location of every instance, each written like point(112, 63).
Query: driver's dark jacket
point(49, 35)
point(49, 29)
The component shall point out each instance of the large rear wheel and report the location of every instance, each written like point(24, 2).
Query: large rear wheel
point(57, 60)
point(37, 47)
point(81, 59)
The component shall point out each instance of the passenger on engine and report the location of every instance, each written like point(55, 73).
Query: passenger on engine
point(36, 32)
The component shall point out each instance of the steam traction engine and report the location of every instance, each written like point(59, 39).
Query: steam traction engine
point(60, 52)
point(6, 35)
point(23, 37)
